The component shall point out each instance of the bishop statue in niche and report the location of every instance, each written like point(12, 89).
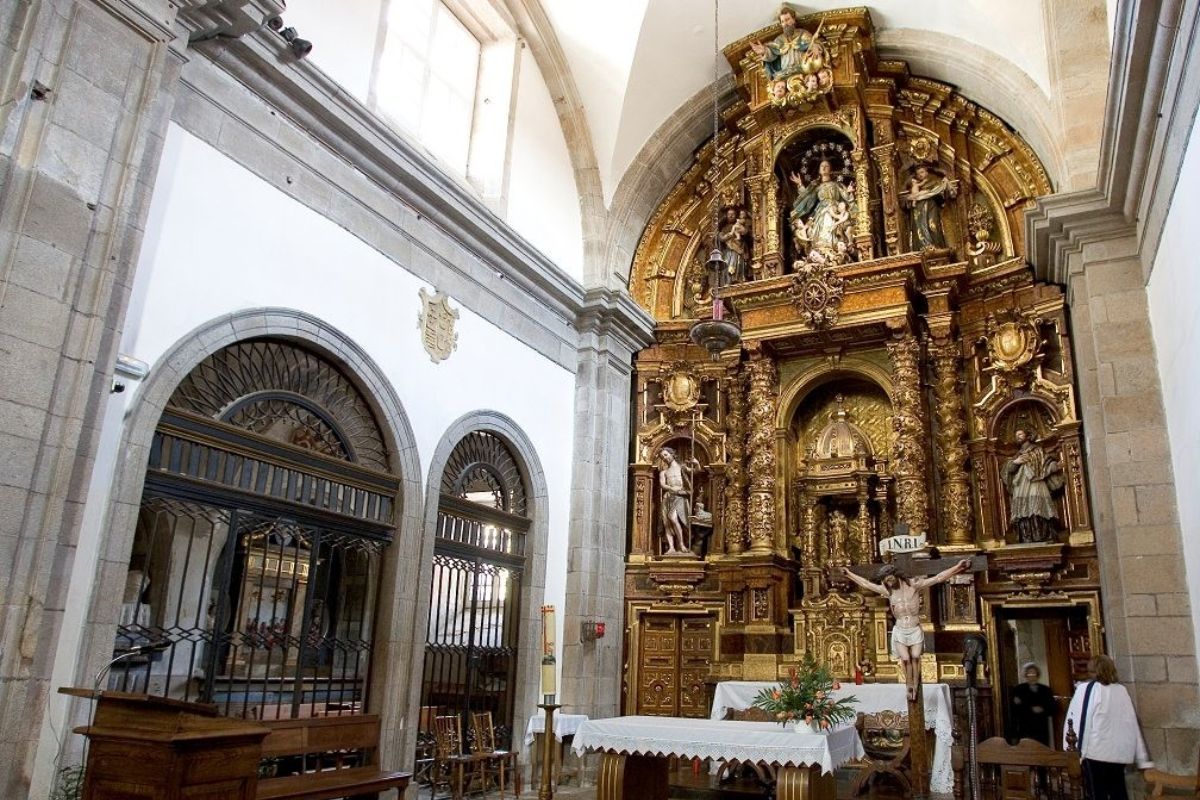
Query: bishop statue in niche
point(1031, 477)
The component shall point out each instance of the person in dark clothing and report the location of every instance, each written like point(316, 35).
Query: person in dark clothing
point(1032, 707)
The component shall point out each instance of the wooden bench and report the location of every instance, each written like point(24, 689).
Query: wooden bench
point(1022, 770)
point(338, 756)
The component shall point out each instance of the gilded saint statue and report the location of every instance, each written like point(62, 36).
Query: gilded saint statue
point(785, 54)
point(926, 192)
point(674, 480)
point(821, 215)
point(904, 598)
point(1031, 476)
point(735, 244)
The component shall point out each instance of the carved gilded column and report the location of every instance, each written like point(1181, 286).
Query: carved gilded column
point(951, 443)
point(909, 463)
point(763, 396)
point(735, 473)
point(863, 237)
point(885, 167)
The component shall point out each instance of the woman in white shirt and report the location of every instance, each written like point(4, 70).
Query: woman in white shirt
point(1107, 728)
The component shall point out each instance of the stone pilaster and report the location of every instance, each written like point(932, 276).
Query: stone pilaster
point(763, 399)
point(1147, 612)
point(81, 131)
point(909, 461)
point(951, 443)
point(611, 329)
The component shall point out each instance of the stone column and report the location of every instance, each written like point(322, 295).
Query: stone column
point(82, 121)
point(611, 328)
point(909, 461)
point(951, 444)
point(735, 486)
point(763, 398)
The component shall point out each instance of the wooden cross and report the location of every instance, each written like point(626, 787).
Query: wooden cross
point(913, 567)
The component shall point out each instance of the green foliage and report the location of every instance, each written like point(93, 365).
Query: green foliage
point(806, 696)
point(69, 785)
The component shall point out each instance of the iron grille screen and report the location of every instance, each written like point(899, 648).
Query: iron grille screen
point(267, 616)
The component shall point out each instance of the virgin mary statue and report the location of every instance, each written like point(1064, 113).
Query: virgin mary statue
point(821, 213)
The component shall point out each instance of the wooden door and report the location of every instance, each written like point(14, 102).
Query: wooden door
point(674, 655)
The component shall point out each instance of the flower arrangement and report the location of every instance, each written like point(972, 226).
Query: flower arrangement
point(806, 695)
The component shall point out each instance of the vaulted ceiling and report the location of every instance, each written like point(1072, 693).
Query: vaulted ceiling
point(635, 62)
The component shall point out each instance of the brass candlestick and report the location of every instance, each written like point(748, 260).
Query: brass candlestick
point(546, 790)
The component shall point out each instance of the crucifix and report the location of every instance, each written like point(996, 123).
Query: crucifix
point(901, 582)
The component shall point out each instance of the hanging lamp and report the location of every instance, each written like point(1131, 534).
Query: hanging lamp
point(717, 334)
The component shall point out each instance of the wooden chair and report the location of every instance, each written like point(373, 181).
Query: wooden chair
point(1024, 770)
point(453, 767)
point(885, 739)
point(497, 763)
point(336, 757)
point(1164, 784)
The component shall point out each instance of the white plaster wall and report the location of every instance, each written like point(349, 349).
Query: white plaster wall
point(223, 240)
point(344, 36)
point(543, 202)
point(1173, 292)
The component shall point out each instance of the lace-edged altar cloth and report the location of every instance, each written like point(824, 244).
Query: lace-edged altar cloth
point(764, 742)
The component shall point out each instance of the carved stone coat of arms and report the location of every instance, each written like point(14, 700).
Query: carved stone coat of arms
point(436, 322)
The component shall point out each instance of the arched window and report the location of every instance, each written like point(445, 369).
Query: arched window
point(265, 513)
point(479, 560)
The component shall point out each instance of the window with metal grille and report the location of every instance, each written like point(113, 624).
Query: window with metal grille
point(474, 612)
point(256, 557)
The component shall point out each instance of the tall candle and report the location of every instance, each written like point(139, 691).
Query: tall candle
point(548, 661)
point(548, 630)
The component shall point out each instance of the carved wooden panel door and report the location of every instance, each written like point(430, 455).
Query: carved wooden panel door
point(673, 662)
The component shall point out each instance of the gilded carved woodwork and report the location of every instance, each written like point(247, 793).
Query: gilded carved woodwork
point(879, 382)
point(951, 443)
point(762, 395)
point(909, 459)
point(736, 475)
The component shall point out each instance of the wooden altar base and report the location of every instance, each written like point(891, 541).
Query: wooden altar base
point(687, 786)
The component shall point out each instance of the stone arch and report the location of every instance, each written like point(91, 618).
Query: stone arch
point(537, 498)
point(395, 596)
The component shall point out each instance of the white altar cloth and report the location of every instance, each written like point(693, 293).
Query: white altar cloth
point(700, 738)
point(564, 725)
point(872, 698)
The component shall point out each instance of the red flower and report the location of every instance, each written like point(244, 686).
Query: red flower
point(836, 686)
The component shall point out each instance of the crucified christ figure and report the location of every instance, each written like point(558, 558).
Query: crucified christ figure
point(904, 598)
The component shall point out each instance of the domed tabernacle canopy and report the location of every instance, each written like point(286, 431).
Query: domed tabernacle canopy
point(841, 438)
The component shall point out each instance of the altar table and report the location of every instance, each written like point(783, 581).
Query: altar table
point(872, 698)
point(635, 751)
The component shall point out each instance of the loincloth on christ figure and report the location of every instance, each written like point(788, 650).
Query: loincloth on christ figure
point(907, 637)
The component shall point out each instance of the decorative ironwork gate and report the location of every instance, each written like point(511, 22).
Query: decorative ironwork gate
point(257, 550)
point(474, 614)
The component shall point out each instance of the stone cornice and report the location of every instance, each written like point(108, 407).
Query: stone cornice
point(613, 315)
point(304, 93)
point(1154, 90)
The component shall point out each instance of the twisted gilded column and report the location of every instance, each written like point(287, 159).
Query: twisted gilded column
point(735, 448)
point(909, 462)
point(763, 396)
point(951, 443)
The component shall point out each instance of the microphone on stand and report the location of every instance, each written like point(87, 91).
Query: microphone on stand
point(139, 650)
point(974, 652)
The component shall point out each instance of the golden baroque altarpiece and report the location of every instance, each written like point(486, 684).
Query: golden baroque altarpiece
point(894, 342)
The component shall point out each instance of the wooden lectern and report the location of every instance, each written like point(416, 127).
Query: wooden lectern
point(155, 748)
